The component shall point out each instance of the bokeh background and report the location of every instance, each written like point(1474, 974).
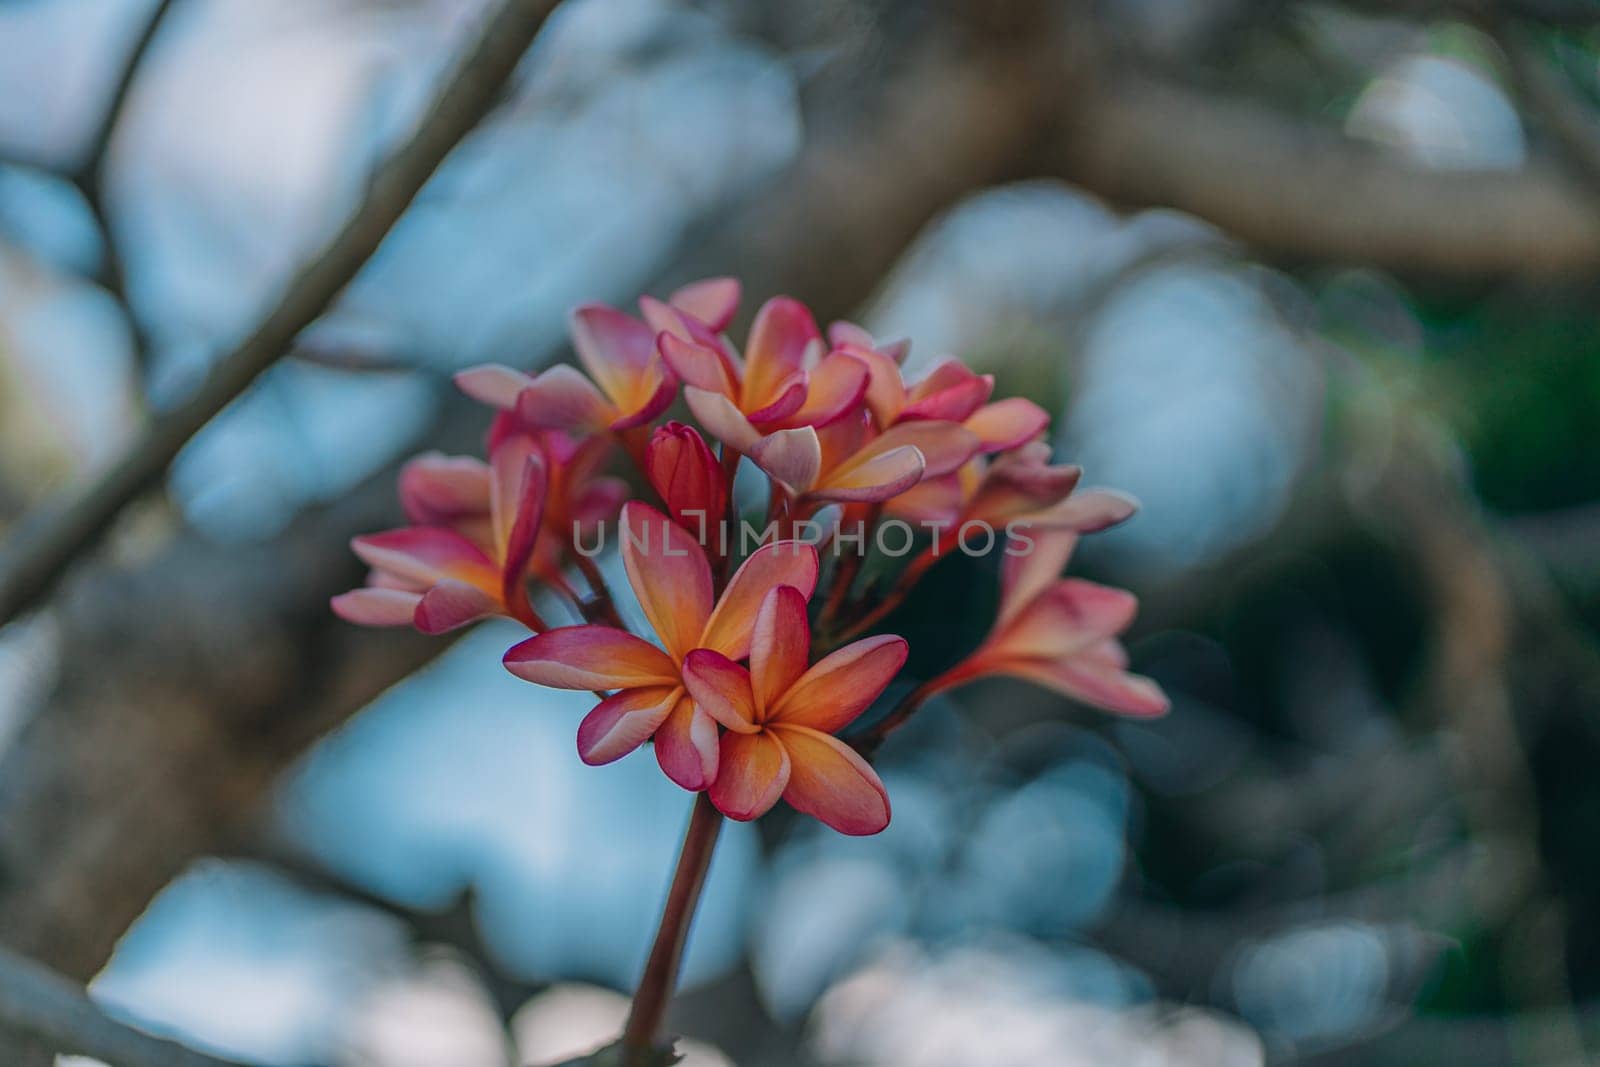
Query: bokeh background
point(1314, 280)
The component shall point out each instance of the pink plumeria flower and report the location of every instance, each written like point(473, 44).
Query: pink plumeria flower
point(470, 565)
point(849, 461)
point(780, 716)
point(1061, 633)
point(784, 380)
point(671, 576)
point(628, 383)
point(949, 392)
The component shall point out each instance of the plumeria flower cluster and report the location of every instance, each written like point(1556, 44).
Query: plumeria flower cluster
point(753, 662)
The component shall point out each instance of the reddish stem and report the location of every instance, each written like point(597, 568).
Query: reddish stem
point(844, 575)
point(599, 605)
point(661, 969)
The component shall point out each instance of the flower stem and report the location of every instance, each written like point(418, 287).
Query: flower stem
point(661, 969)
point(845, 574)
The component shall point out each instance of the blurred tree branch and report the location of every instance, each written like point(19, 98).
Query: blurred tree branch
point(88, 178)
point(46, 544)
point(1306, 193)
point(39, 1004)
point(90, 172)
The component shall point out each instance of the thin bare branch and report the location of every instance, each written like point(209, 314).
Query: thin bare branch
point(92, 168)
point(37, 1003)
point(89, 177)
point(40, 552)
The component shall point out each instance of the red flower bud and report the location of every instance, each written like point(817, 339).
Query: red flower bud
point(689, 478)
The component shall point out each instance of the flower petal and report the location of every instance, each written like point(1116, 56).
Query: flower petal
point(517, 500)
point(843, 333)
point(493, 384)
point(842, 684)
point(793, 457)
point(952, 403)
point(779, 647)
point(1065, 619)
point(722, 689)
point(833, 388)
point(1108, 652)
point(1034, 559)
point(697, 364)
point(562, 398)
point(656, 389)
point(753, 773)
point(590, 657)
point(775, 410)
point(945, 446)
point(934, 501)
point(946, 373)
point(878, 477)
point(669, 574)
point(621, 723)
point(614, 347)
point(780, 339)
point(1098, 684)
point(1088, 511)
point(685, 326)
point(792, 563)
point(829, 781)
point(1022, 483)
point(427, 554)
point(886, 389)
point(376, 607)
point(1007, 423)
point(686, 746)
point(437, 490)
point(452, 604)
point(722, 419)
point(713, 301)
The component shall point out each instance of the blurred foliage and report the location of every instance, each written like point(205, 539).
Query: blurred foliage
point(1525, 383)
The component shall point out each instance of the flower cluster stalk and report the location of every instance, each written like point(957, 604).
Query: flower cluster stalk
point(642, 1034)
